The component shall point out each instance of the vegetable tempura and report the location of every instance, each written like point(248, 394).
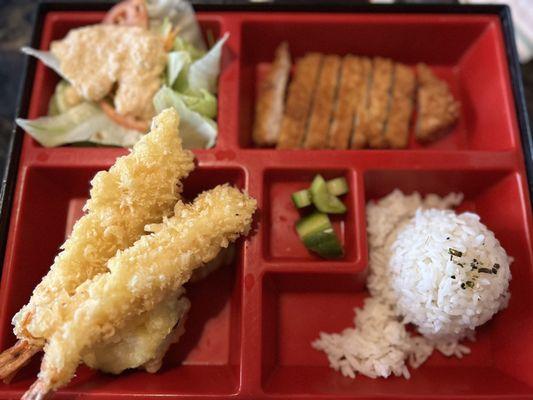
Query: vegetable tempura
point(143, 341)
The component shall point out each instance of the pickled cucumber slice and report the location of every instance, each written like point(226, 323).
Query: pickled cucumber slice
point(323, 199)
point(337, 186)
point(317, 234)
point(301, 198)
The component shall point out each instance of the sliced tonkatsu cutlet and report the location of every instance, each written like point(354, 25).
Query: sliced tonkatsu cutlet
point(298, 105)
point(323, 103)
point(271, 98)
point(378, 109)
point(437, 108)
point(348, 98)
point(401, 108)
point(360, 129)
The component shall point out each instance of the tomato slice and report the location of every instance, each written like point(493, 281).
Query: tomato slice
point(129, 13)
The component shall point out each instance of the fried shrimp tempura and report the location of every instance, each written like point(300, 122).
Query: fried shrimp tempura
point(140, 189)
point(144, 341)
point(141, 276)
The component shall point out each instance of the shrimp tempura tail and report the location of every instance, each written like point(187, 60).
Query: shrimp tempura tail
point(139, 189)
point(142, 275)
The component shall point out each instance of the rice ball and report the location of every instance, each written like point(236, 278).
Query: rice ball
point(449, 274)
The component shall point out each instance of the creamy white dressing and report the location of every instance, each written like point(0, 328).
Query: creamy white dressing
point(99, 58)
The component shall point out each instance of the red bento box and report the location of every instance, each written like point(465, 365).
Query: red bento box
point(250, 327)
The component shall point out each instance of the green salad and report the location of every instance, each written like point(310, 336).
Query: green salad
point(188, 84)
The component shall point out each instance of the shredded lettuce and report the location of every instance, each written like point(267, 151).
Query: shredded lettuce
point(85, 122)
point(165, 28)
point(181, 44)
point(196, 130)
point(178, 61)
point(64, 97)
point(191, 85)
point(46, 57)
point(201, 101)
point(53, 108)
point(204, 72)
point(181, 15)
point(192, 77)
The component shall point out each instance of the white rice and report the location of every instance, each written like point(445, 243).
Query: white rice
point(410, 281)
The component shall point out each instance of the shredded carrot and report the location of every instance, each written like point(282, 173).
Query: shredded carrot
point(125, 121)
point(169, 39)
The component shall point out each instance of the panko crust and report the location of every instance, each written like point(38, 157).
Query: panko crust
point(141, 276)
point(438, 110)
point(144, 340)
point(139, 189)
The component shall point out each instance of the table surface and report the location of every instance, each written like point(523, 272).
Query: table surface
point(15, 29)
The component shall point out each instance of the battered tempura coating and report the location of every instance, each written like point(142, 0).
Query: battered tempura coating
point(139, 189)
point(141, 340)
point(174, 336)
point(141, 276)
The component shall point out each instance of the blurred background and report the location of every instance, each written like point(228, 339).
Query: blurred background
point(16, 18)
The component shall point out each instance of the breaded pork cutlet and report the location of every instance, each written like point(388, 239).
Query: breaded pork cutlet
point(323, 103)
point(359, 135)
point(348, 98)
point(437, 109)
point(401, 108)
point(271, 98)
point(378, 109)
point(298, 105)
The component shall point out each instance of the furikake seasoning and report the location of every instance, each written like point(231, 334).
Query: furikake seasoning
point(476, 268)
point(455, 253)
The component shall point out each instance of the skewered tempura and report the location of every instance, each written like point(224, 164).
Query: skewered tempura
point(141, 276)
point(143, 341)
point(141, 188)
point(174, 336)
